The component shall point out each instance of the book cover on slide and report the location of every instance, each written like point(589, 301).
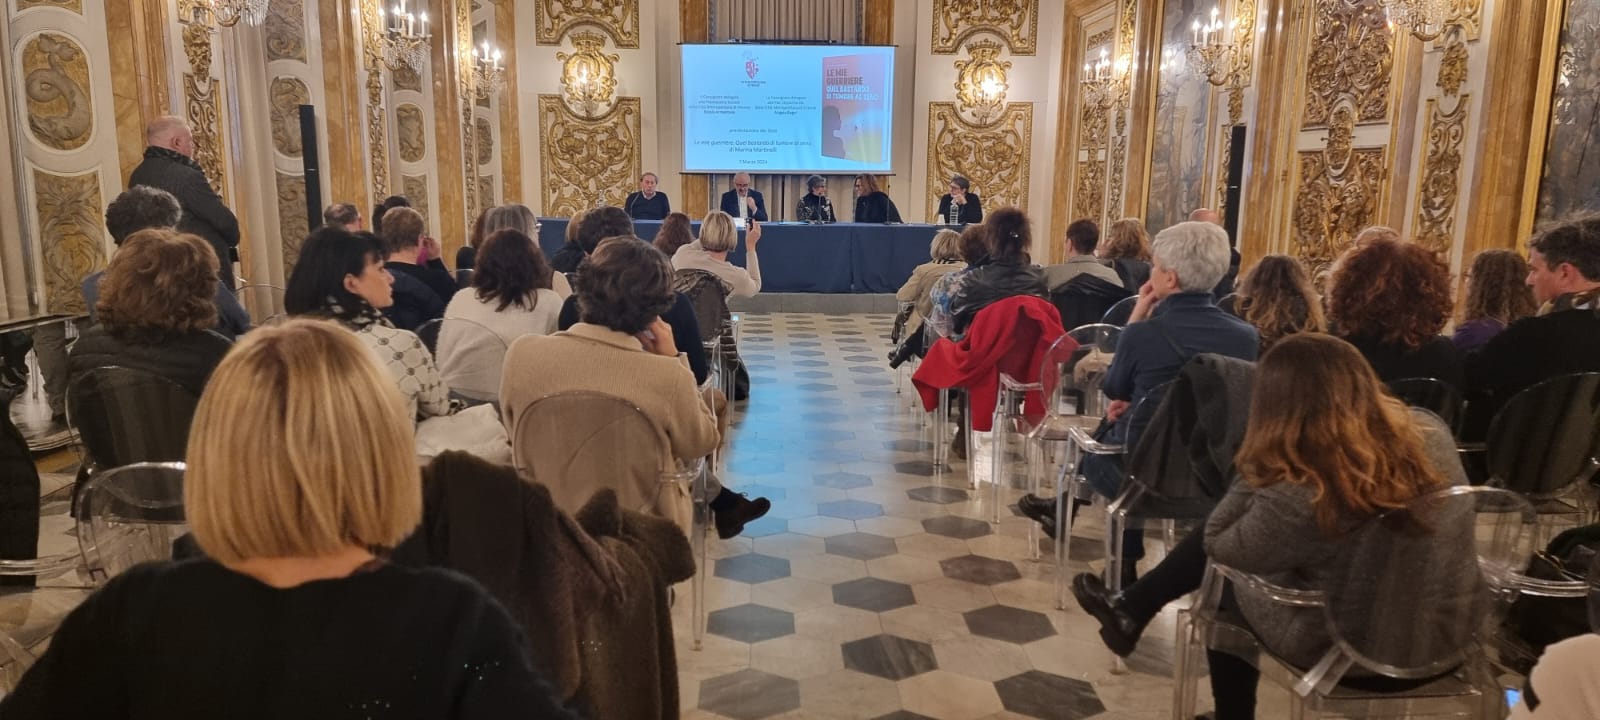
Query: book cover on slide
point(854, 99)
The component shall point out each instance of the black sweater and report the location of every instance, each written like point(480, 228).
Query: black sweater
point(685, 331)
point(196, 640)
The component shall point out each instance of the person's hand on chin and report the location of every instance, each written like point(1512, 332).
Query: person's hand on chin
point(657, 339)
point(1148, 299)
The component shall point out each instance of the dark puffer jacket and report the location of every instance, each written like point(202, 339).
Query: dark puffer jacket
point(204, 213)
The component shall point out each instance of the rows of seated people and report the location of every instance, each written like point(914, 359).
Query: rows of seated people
point(1327, 445)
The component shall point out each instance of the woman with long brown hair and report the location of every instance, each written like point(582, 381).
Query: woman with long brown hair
point(1391, 299)
point(1497, 295)
point(676, 231)
point(1127, 245)
point(1277, 298)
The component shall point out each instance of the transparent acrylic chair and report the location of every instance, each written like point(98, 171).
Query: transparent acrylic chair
point(1431, 394)
point(1406, 605)
point(1544, 443)
point(469, 356)
point(129, 515)
point(262, 302)
point(576, 443)
point(125, 416)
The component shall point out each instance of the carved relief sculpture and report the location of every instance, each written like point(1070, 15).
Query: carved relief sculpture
point(372, 61)
point(56, 73)
point(999, 153)
point(1340, 190)
point(71, 232)
point(412, 132)
point(981, 81)
point(201, 98)
point(1016, 21)
point(485, 141)
point(464, 95)
point(292, 227)
point(1439, 190)
point(1352, 55)
point(415, 188)
point(618, 18)
point(1127, 11)
point(73, 5)
point(588, 76)
point(1089, 200)
point(285, 30)
point(585, 162)
point(287, 94)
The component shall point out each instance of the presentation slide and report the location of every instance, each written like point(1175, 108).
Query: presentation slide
point(787, 108)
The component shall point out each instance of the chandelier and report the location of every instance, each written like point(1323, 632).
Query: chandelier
point(1105, 83)
point(228, 13)
point(405, 37)
point(1425, 19)
point(488, 77)
point(1214, 53)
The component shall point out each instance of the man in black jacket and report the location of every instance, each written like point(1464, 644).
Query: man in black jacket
point(169, 165)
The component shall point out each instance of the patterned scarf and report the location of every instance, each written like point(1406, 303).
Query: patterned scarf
point(173, 155)
point(353, 312)
point(1581, 300)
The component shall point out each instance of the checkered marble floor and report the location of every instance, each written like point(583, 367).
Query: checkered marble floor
point(877, 588)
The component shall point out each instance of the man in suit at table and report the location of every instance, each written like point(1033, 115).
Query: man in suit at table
point(742, 202)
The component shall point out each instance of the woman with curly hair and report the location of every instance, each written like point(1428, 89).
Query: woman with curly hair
point(1497, 295)
point(1390, 299)
point(156, 311)
point(1277, 298)
point(1127, 245)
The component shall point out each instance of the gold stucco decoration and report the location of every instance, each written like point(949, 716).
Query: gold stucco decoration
point(996, 155)
point(60, 108)
point(617, 18)
point(587, 162)
point(1015, 21)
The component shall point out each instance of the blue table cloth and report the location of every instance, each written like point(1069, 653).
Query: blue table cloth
point(800, 258)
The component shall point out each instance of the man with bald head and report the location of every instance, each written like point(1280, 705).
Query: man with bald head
point(744, 201)
point(169, 165)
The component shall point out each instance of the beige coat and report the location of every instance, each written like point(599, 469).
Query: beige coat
point(917, 288)
point(592, 358)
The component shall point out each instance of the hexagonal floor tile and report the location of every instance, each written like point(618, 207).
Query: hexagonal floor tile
point(849, 509)
point(749, 695)
point(842, 480)
point(907, 445)
point(861, 546)
point(755, 466)
point(980, 570)
point(807, 353)
point(1003, 622)
point(957, 527)
point(767, 491)
point(934, 493)
point(872, 381)
point(915, 467)
point(821, 526)
point(812, 374)
point(887, 656)
point(1042, 695)
point(815, 387)
point(752, 568)
point(822, 417)
point(873, 594)
point(865, 370)
point(763, 527)
point(750, 623)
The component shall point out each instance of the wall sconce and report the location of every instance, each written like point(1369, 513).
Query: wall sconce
point(404, 46)
point(588, 76)
point(228, 13)
point(1214, 53)
point(488, 77)
point(1425, 19)
point(1105, 83)
point(981, 84)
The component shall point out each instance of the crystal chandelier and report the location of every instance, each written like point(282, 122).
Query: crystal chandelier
point(405, 37)
point(1214, 53)
point(1105, 83)
point(1425, 19)
point(488, 77)
point(228, 13)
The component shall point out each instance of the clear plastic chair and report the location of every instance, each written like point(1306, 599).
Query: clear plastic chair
point(576, 443)
point(1119, 313)
point(1545, 444)
point(470, 357)
point(129, 515)
point(464, 278)
point(428, 333)
point(1059, 361)
point(1415, 587)
point(1434, 395)
point(126, 416)
point(262, 302)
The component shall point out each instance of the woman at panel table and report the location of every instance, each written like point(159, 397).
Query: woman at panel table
point(815, 206)
point(960, 206)
point(873, 205)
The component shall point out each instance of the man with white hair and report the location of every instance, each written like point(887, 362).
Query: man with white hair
point(1174, 319)
point(169, 165)
point(743, 201)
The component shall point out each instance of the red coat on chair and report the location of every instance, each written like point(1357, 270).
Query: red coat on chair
point(1009, 336)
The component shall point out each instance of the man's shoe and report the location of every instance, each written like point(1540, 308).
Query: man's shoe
point(1119, 630)
point(1039, 510)
point(731, 521)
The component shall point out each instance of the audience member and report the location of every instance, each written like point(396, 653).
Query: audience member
point(624, 288)
point(1564, 273)
point(743, 201)
point(718, 237)
point(647, 203)
point(521, 219)
point(1225, 286)
point(974, 246)
point(343, 216)
point(467, 255)
point(1565, 683)
point(1009, 272)
point(1277, 298)
point(511, 297)
point(383, 208)
point(676, 231)
point(945, 254)
point(586, 232)
point(169, 165)
point(1083, 236)
point(142, 207)
point(420, 292)
point(292, 611)
point(1175, 319)
point(1127, 247)
point(156, 311)
point(872, 204)
point(1390, 299)
point(815, 207)
point(1497, 295)
point(341, 276)
point(960, 206)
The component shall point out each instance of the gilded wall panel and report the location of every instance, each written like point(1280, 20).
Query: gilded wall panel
point(71, 231)
point(1352, 55)
point(1089, 199)
point(1015, 21)
point(285, 30)
point(583, 162)
point(485, 141)
point(286, 94)
point(1570, 181)
point(1440, 188)
point(486, 191)
point(412, 131)
point(998, 153)
point(415, 188)
point(1181, 124)
point(1339, 195)
point(377, 128)
point(406, 78)
point(201, 101)
point(618, 18)
point(60, 108)
point(73, 5)
point(292, 227)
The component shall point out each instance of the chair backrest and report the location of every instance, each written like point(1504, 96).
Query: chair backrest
point(1543, 440)
point(127, 416)
point(470, 358)
point(261, 301)
point(1431, 394)
point(1085, 299)
point(1408, 594)
point(129, 515)
point(577, 443)
point(1183, 454)
point(1072, 371)
point(464, 278)
point(1230, 304)
point(1119, 313)
point(709, 296)
point(428, 333)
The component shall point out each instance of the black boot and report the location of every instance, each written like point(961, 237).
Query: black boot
point(901, 353)
point(732, 511)
point(1119, 629)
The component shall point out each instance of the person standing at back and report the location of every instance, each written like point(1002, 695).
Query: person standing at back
point(169, 165)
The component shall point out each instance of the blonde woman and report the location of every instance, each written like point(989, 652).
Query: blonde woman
point(1127, 245)
point(520, 218)
point(718, 237)
point(300, 467)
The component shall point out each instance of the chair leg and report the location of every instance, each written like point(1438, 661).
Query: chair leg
point(1185, 673)
point(941, 431)
point(972, 443)
point(997, 452)
point(697, 536)
point(1066, 489)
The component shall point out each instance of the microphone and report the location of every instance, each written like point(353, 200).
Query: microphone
point(633, 197)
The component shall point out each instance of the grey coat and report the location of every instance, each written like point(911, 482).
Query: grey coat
point(1421, 584)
